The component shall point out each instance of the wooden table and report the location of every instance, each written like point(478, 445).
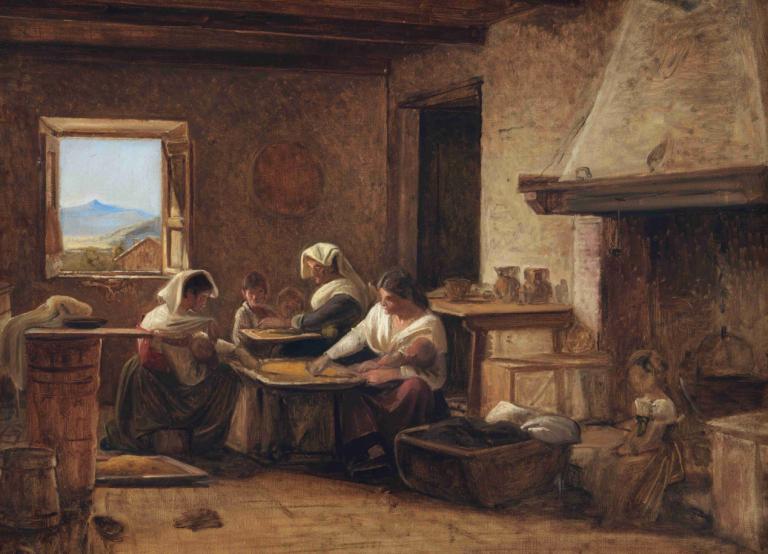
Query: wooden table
point(287, 418)
point(480, 317)
point(740, 478)
point(274, 336)
point(270, 343)
point(62, 403)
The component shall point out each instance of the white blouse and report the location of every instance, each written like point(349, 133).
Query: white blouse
point(661, 410)
point(376, 331)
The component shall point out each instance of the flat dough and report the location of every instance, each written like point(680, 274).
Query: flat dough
point(129, 466)
point(298, 368)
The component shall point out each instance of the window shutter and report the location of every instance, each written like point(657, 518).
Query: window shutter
point(53, 240)
point(176, 204)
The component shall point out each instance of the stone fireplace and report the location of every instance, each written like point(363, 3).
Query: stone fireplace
point(693, 284)
point(673, 158)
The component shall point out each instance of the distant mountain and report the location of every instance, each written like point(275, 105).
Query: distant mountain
point(96, 218)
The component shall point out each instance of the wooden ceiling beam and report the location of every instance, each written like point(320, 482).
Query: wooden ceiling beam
point(255, 22)
point(460, 13)
point(199, 58)
point(166, 37)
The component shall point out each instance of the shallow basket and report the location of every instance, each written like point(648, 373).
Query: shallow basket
point(485, 476)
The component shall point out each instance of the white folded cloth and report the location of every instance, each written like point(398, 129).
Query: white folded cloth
point(549, 428)
point(13, 351)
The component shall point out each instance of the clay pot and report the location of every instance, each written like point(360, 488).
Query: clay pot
point(537, 289)
point(457, 288)
point(507, 285)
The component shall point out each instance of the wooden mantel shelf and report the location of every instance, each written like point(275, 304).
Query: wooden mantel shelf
point(733, 186)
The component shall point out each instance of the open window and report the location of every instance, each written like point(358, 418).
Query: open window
point(117, 196)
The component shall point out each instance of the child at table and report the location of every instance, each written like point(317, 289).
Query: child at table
point(290, 302)
point(254, 307)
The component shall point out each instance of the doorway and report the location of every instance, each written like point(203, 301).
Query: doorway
point(448, 243)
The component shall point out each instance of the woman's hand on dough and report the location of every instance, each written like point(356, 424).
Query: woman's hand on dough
point(316, 366)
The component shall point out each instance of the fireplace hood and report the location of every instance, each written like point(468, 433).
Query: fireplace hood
point(679, 120)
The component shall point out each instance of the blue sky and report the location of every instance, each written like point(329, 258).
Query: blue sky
point(120, 172)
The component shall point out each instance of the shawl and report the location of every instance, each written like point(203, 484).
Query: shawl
point(349, 283)
point(166, 321)
point(165, 318)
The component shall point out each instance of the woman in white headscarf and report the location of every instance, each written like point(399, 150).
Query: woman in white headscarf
point(176, 381)
point(340, 301)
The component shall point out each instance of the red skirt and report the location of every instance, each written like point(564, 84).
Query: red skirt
point(377, 414)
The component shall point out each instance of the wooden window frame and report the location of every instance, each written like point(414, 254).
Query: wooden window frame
point(176, 186)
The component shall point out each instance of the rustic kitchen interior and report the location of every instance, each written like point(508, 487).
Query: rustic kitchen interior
point(580, 187)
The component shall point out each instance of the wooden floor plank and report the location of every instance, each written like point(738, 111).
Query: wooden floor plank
point(281, 511)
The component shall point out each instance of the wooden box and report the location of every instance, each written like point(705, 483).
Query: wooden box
point(485, 476)
point(575, 385)
point(740, 478)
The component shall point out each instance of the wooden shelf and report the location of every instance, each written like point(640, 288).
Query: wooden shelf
point(501, 315)
point(734, 186)
point(56, 333)
point(539, 362)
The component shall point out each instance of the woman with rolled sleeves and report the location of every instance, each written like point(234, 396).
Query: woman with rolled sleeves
point(404, 380)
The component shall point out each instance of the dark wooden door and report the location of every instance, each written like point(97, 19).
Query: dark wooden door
point(449, 195)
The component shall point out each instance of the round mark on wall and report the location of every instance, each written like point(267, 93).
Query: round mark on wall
point(287, 179)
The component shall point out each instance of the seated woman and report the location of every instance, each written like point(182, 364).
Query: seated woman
point(628, 483)
point(339, 302)
point(405, 378)
point(176, 381)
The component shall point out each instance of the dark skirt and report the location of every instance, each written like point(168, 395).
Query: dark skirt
point(378, 413)
point(150, 401)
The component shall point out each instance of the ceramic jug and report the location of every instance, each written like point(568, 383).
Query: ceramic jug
point(537, 289)
point(507, 286)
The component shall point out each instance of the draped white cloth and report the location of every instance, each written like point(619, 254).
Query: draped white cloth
point(350, 283)
point(13, 351)
point(376, 331)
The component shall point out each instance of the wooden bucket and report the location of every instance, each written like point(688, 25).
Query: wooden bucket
point(29, 498)
point(62, 408)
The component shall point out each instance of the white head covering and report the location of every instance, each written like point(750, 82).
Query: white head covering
point(350, 283)
point(166, 317)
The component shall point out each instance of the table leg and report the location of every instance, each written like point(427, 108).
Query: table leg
point(477, 353)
